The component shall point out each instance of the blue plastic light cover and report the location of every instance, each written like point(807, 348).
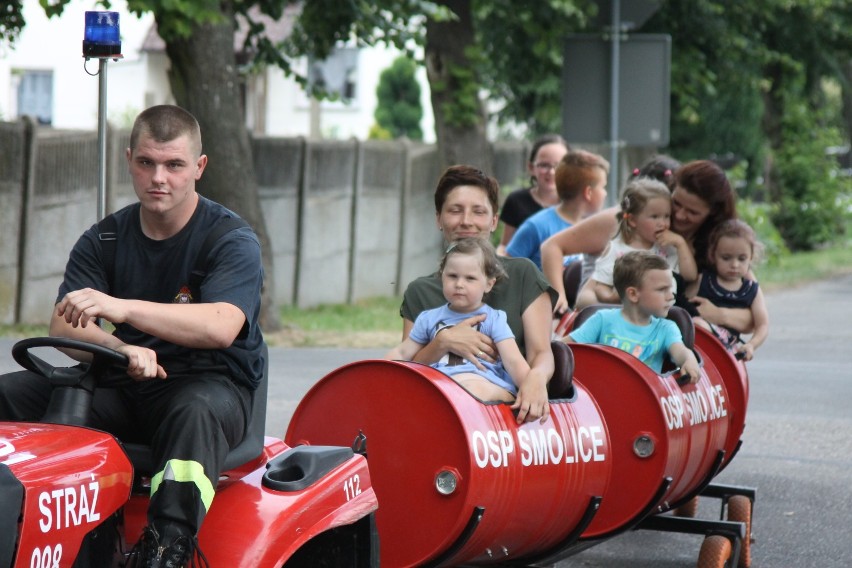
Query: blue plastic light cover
point(102, 36)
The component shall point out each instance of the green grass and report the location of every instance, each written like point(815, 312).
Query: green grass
point(803, 267)
point(374, 314)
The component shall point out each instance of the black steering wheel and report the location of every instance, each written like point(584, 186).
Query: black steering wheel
point(73, 387)
point(102, 358)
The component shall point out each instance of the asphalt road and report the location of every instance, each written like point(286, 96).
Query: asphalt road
point(797, 445)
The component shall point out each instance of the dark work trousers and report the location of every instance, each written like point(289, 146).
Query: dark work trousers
point(189, 418)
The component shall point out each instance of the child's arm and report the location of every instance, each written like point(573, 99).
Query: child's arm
point(692, 287)
point(405, 351)
point(685, 259)
point(551, 266)
point(685, 359)
point(740, 319)
point(605, 294)
point(513, 360)
point(761, 327)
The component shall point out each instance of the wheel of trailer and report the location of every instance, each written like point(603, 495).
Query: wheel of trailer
point(715, 552)
point(739, 511)
point(688, 509)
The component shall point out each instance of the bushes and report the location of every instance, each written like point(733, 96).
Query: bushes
point(807, 206)
point(759, 217)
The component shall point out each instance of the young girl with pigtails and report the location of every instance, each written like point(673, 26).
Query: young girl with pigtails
point(644, 222)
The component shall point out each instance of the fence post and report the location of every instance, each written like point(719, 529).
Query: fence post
point(357, 186)
point(29, 159)
point(301, 192)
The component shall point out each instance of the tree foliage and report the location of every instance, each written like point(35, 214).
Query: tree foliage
point(743, 73)
point(521, 44)
point(748, 78)
point(399, 110)
point(11, 20)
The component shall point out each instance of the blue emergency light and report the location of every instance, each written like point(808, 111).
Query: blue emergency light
point(101, 38)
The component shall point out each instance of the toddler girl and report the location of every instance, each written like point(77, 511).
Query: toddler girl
point(643, 225)
point(469, 270)
point(732, 249)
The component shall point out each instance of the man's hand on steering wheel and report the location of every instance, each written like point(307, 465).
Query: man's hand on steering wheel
point(142, 363)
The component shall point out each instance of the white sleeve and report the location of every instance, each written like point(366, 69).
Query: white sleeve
point(604, 265)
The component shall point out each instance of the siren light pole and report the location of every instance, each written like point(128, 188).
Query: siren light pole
point(101, 41)
point(615, 143)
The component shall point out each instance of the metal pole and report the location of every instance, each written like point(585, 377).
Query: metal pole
point(613, 99)
point(102, 128)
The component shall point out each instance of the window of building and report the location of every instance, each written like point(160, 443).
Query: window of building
point(35, 95)
point(337, 73)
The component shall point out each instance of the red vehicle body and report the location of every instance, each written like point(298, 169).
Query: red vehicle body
point(456, 480)
point(72, 497)
point(459, 482)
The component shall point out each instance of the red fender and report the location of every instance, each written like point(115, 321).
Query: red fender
point(73, 479)
point(252, 526)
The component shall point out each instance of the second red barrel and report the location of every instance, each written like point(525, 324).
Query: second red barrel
point(665, 439)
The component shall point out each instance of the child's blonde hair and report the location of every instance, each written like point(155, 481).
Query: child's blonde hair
point(636, 196)
point(734, 228)
point(474, 245)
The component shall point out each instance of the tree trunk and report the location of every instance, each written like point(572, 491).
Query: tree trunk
point(205, 81)
point(454, 83)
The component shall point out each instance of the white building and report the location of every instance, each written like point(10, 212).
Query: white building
point(43, 74)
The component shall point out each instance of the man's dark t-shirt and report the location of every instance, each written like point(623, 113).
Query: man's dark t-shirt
point(158, 271)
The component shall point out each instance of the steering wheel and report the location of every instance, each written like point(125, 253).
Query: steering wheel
point(102, 357)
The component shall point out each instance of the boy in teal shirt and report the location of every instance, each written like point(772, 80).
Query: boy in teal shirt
point(639, 327)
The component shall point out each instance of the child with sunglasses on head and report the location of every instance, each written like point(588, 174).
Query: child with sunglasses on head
point(469, 270)
point(726, 283)
point(643, 225)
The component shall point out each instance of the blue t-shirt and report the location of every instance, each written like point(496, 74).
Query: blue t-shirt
point(495, 326)
point(526, 242)
point(647, 342)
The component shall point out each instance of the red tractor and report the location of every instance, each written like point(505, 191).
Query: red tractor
point(456, 480)
point(74, 496)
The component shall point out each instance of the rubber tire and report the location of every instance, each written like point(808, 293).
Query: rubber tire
point(739, 510)
point(715, 552)
point(688, 509)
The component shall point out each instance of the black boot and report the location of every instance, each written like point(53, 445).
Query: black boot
point(169, 546)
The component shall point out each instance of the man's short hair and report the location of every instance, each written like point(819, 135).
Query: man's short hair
point(631, 268)
point(165, 123)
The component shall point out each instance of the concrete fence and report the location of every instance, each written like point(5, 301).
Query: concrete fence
point(346, 219)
